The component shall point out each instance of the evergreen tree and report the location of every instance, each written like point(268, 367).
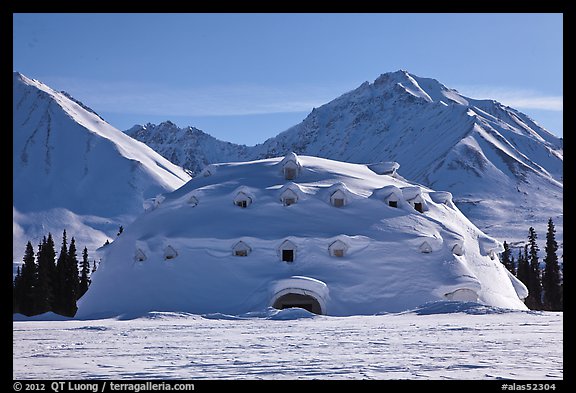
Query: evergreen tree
point(28, 281)
point(70, 282)
point(534, 299)
point(46, 275)
point(551, 274)
point(506, 261)
point(16, 292)
point(522, 271)
point(49, 274)
point(120, 230)
point(60, 278)
point(94, 266)
point(84, 271)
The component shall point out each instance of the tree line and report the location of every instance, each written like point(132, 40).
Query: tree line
point(545, 286)
point(45, 283)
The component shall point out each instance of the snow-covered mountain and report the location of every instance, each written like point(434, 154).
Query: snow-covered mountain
point(74, 171)
point(300, 231)
point(504, 170)
point(188, 147)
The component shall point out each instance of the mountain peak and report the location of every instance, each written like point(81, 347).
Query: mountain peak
point(486, 154)
point(73, 170)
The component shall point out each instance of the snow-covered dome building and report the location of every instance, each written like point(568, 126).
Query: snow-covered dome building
point(331, 237)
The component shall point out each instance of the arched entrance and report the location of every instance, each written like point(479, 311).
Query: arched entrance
point(306, 302)
point(298, 291)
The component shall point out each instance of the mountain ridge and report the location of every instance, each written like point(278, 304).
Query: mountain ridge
point(479, 149)
point(72, 170)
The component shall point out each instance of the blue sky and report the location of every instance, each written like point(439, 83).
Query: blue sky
point(246, 77)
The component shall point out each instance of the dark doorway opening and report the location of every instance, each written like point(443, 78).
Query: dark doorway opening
point(418, 207)
point(393, 203)
point(288, 255)
point(291, 300)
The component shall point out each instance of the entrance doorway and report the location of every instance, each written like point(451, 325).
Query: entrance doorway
point(291, 300)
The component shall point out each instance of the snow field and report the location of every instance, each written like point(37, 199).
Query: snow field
point(445, 340)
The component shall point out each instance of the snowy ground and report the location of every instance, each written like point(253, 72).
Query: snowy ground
point(447, 340)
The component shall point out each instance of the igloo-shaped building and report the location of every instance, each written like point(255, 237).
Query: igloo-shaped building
point(391, 246)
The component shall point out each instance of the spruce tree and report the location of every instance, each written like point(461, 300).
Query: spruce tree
point(84, 272)
point(49, 251)
point(551, 274)
point(16, 292)
point(70, 290)
point(534, 299)
point(522, 271)
point(60, 278)
point(46, 273)
point(28, 282)
point(506, 261)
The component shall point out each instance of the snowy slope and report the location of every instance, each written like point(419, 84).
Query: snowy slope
point(72, 170)
point(178, 256)
point(504, 170)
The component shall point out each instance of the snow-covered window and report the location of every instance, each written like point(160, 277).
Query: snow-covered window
point(462, 295)
point(208, 171)
point(139, 256)
point(193, 201)
point(425, 247)
point(242, 200)
point(289, 197)
point(290, 166)
point(241, 249)
point(458, 249)
point(170, 253)
point(338, 249)
point(338, 199)
point(444, 197)
point(287, 251)
point(413, 196)
point(290, 173)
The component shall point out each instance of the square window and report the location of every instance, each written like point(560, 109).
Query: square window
point(338, 202)
point(289, 173)
point(288, 255)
